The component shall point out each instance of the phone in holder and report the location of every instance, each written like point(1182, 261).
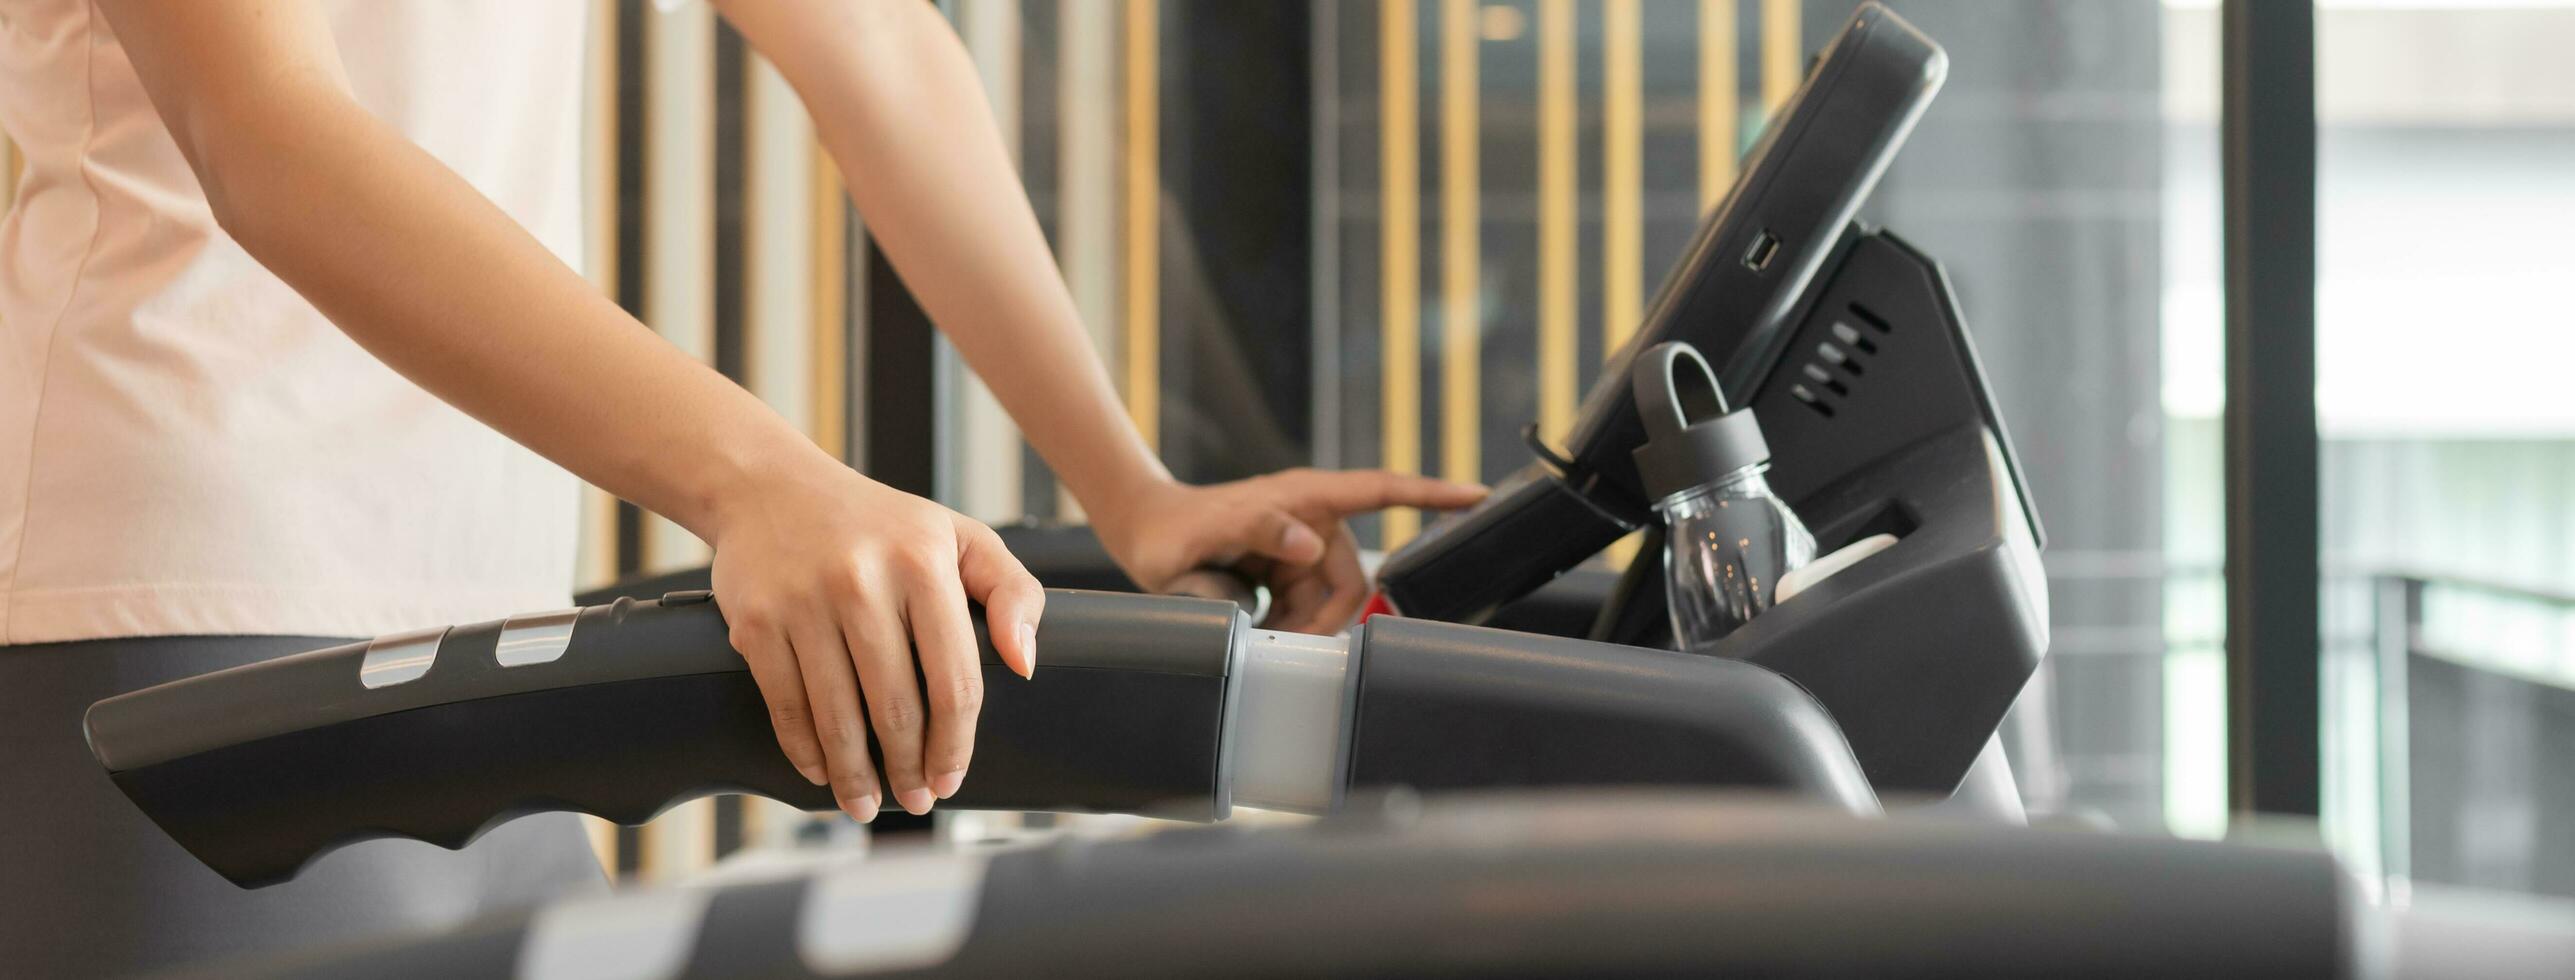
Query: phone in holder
point(1732, 296)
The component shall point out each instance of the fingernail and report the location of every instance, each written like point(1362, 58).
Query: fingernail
point(862, 809)
point(945, 784)
point(1028, 647)
point(916, 801)
point(812, 773)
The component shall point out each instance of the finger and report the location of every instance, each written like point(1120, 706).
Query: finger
point(839, 722)
point(882, 648)
point(1012, 600)
point(1346, 582)
point(952, 682)
point(773, 668)
point(1276, 535)
point(1348, 492)
point(1299, 598)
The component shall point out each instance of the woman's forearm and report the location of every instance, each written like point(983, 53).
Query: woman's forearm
point(486, 318)
point(432, 278)
point(899, 106)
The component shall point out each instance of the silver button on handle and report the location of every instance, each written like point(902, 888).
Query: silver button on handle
point(400, 657)
point(535, 638)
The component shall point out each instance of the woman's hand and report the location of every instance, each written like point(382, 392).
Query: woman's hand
point(1285, 529)
point(830, 583)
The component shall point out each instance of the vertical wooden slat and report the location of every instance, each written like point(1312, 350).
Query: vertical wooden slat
point(830, 277)
point(777, 244)
point(1622, 193)
point(989, 465)
point(679, 297)
point(1719, 122)
point(1461, 246)
point(1557, 175)
point(597, 564)
point(1783, 65)
point(1622, 174)
point(1143, 229)
point(603, 841)
point(679, 220)
point(730, 275)
point(1400, 251)
point(1088, 99)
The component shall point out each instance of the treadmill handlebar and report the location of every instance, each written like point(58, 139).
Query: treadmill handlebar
point(624, 709)
point(1157, 705)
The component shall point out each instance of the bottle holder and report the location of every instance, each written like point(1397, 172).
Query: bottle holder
point(1918, 651)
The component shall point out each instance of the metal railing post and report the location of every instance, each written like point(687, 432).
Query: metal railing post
point(2397, 611)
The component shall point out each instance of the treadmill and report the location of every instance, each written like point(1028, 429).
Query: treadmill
point(1604, 883)
point(1885, 680)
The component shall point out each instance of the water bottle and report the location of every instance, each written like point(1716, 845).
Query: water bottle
point(1728, 538)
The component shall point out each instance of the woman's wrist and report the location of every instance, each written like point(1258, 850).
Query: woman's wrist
point(1118, 511)
point(740, 479)
point(1110, 488)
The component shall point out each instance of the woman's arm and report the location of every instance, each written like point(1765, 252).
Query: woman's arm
point(820, 569)
point(898, 104)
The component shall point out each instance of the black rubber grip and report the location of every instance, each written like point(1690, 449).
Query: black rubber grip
point(1444, 707)
point(1126, 714)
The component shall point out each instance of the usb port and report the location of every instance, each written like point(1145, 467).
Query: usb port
point(1764, 247)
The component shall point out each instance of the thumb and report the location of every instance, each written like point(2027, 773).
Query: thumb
point(1012, 599)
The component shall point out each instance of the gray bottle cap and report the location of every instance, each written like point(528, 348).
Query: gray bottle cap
point(1691, 440)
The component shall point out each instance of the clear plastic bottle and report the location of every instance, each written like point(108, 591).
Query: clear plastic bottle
point(1726, 545)
point(1728, 539)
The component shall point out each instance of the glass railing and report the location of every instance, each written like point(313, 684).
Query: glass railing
point(2475, 733)
point(2449, 719)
